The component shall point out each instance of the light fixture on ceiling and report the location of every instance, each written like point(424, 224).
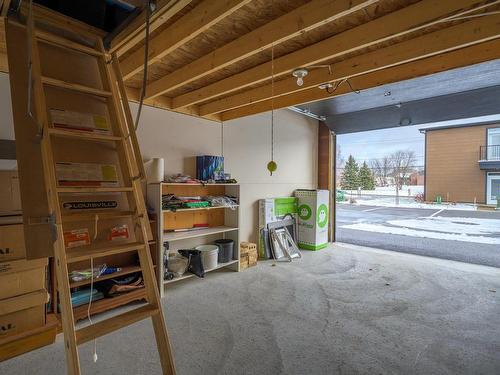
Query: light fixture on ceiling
point(300, 73)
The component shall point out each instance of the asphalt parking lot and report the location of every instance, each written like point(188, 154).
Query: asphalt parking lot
point(465, 236)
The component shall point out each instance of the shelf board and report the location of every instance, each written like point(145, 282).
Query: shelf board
point(75, 87)
point(188, 275)
point(88, 136)
point(177, 236)
point(94, 189)
point(197, 184)
point(106, 304)
point(125, 271)
point(198, 209)
point(76, 254)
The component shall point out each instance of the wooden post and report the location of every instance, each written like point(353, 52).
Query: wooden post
point(326, 170)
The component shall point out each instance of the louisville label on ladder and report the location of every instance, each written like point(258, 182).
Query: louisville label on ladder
point(80, 170)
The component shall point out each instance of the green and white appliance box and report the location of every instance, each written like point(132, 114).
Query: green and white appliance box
point(313, 216)
point(272, 210)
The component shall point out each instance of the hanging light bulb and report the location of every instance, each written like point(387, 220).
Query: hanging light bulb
point(300, 74)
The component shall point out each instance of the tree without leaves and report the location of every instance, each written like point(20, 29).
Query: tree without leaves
point(350, 177)
point(402, 162)
point(382, 169)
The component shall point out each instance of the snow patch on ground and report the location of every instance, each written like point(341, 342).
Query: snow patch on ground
point(390, 202)
point(406, 191)
point(459, 225)
point(442, 228)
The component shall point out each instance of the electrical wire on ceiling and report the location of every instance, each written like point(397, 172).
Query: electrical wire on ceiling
point(149, 8)
point(332, 87)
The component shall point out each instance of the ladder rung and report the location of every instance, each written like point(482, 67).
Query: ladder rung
point(104, 327)
point(90, 189)
point(75, 87)
point(77, 254)
point(103, 215)
point(63, 42)
point(83, 135)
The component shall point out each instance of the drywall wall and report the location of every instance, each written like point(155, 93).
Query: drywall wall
point(247, 146)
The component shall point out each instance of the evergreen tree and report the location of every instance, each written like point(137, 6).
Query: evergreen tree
point(350, 176)
point(366, 178)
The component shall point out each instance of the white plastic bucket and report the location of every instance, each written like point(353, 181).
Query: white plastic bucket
point(208, 256)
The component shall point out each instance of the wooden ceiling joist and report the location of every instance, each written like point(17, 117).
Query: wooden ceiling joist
point(447, 61)
point(472, 32)
point(198, 20)
point(163, 102)
point(401, 22)
point(133, 34)
point(307, 17)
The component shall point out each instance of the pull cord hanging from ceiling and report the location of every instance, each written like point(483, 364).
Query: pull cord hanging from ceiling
point(222, 138)
point(272, 166)
point(150, 6)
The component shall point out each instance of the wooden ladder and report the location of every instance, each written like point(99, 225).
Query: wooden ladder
point(122, 141)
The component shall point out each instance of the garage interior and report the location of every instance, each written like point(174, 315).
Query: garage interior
point(112, 114)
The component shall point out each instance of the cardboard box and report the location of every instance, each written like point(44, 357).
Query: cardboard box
point(79, 121)
point(22, 276)
point(270, 211)
point(10, 196)
point(22, 313)
point(27, 341)
point(12, 242)
point(86, 174)
point(313, 217)
point(248, 255)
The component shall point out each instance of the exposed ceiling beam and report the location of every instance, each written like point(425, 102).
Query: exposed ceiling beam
point(476, 31)
point(451, 60)
point(307, 17)
point(134, 32)
point(198, 20)
point(408, 19)
point(163, 102)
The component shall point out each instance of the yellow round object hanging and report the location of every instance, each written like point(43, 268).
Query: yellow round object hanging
point(272, 166)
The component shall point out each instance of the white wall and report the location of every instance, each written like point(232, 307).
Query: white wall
point(179, 138)
point(247, 146)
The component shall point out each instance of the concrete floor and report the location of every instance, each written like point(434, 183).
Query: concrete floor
point(342, 310)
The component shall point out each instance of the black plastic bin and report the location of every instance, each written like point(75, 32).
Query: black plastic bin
point(225, 250)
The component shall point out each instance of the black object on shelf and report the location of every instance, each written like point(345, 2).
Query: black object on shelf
point(225, 250)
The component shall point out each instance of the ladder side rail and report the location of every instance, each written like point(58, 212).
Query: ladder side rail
point(159, 326)
point(67, 318)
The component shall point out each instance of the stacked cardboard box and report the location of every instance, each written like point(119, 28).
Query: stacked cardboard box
point(248, 255)
point(22, 292)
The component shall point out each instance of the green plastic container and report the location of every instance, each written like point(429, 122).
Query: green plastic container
point(439, 199)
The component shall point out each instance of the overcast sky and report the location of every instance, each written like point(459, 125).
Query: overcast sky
point(365, 146)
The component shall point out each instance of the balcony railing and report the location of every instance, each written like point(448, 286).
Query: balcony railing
point(489, 153)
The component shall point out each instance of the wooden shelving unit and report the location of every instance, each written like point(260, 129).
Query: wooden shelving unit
point(223, 223)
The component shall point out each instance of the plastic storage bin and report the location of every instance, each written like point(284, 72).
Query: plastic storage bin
point(225, 250)
point(209, 256)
